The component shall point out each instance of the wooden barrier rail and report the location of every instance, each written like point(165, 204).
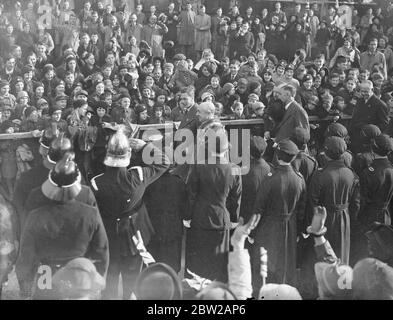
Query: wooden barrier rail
point(172, 125)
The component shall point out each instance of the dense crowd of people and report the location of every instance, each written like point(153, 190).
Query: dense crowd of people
point(316, 194)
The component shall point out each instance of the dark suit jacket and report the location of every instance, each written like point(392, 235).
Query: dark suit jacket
point(295, 116)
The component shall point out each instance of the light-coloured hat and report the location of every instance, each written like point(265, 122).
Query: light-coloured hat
point(272, 291)
point(78, 278)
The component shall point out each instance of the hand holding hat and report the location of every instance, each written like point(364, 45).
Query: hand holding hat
point(318, 222)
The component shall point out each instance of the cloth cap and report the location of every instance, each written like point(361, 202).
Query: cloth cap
point(79, 103)
point(287, 146)
point(383, 145)
point(179, 56)
point(335, 147)
point(300, 136)
point(257, 146)
point(140, 108)
point(336, 130)
point(61, 97)
point(27, 68)
point(307, 77)
point(272, 291)
point(242, 81)
point(370, 131)
point(4, 83)
point(253, 85)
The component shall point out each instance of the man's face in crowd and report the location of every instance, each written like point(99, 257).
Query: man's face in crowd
point(186, 101)
point(87, 6)
point(283, 95)
point(28, 76)
point(69, 79)
point(41, 49)
point(168, 71)
point(83, 110)
point(56, 116)
point(373, 46)
point(319, 63)
point(234, 69)
point(94, 16)
point(353, 74)
point(146, 93)
point(219, 12)
point(133, 19)
point(289, 74)
point(335, 81)
point(363, 76)
point(19, 86)
point(366, 90)
point(161, 99)
point(61, 104)
point(125, 103)
point(242, 87)
point(39, 91)
point(107, 72)
point(17, 53)
point(10, 64)
point(278, 6)
point(214, 82)
point(139, 8)
point(351, 85)
point(308, 84)
point(157, 74)
point(280, 70)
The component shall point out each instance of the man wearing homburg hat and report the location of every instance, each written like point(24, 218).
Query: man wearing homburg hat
point(281, 204)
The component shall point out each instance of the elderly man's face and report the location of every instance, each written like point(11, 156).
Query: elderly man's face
point(366, 90)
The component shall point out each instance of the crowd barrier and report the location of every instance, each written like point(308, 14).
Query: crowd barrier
point(173, 125)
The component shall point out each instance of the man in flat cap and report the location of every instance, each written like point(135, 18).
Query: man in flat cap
point(281, 204)
point(336, 187)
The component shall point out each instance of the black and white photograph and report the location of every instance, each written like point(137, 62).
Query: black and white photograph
point(196, 150)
